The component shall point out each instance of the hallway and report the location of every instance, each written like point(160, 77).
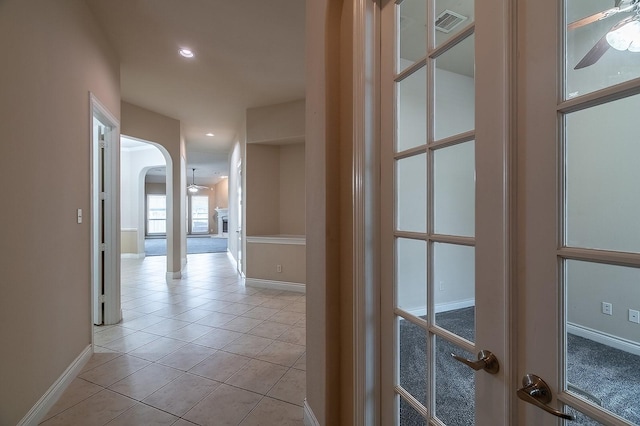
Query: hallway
point(201, 350)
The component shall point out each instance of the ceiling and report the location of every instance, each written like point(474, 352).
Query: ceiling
point(248, 53)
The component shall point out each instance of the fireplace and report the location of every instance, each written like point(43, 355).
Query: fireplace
point(223, 221)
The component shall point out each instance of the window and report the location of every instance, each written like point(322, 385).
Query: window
point(156, 214)
point(199, 214)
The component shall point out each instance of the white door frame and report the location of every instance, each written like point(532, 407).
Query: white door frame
point(366, 208)
point(112, 309)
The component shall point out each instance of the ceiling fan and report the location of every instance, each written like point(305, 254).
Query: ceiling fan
point(193, 187)
point(624, 35)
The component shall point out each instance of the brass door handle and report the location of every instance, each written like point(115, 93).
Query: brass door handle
point(535, 391)
point(486, 361)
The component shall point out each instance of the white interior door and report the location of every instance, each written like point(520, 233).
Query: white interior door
point(444, 279)
point(240, 221)
point(105, 240)
point(98, 146)
point(578, 208)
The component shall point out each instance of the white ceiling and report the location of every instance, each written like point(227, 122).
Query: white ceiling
point(249, 53)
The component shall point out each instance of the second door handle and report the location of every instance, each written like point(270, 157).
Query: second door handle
point(486, 361)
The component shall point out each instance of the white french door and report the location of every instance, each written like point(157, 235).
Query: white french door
point(444, 226)
point(578, 208)
point(510, 205)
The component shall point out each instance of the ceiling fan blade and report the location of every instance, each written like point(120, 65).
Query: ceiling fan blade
point(600, 47)
point(593, 18)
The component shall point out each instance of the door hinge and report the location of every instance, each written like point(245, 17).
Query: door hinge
point(103, 145)
point(101, 298)
point(103, 195)
point(103, 246)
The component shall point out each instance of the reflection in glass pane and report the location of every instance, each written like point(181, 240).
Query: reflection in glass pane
point(581, 419)
point(603, 177)
point(413, 360)
point(409, 416)
point(454, 190)
point(602, 367)
point(411, 270)
point(413, 32)
point(614, 59)
point(454, 292)
point(455, 386)
point(455, 90)
point(451, 17)
point(411, 207)
point(412, 110)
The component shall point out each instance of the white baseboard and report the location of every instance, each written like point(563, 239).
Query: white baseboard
point(443, 307)
point(132, 255)
point(232, 259)
point(51, 396)
point(604, 338)
point(309, 417)
point(275, 285)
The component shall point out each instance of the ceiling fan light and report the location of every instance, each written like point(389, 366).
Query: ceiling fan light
point(193, 189)
point(187, 53)
point(622, 38)
point(634, 46)
point(618, 40)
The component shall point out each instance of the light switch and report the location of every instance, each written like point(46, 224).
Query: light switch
point(79, 215)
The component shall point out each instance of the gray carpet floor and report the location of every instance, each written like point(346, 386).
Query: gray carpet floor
point(612, 375)
point(195, 245)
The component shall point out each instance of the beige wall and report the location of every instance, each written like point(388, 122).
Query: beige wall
point(324, 318)
point(276, 123)
point(155, 188)
point(263, 190)
point(263, 259)
point(55, 54)
point(129, 241)
point(222, 194)
point(275, 189)
point(292, 187)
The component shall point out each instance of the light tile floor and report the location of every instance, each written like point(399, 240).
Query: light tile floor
point(202, 350)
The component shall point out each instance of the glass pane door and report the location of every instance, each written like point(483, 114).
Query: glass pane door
point(430, 154)
point(601, 207)
point(579, 204)
point(199, 214)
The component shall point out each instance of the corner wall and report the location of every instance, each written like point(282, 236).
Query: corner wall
point(324, 316)
point(150, 126)
point(58, 56)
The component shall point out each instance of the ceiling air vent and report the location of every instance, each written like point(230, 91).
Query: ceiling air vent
point(448, 20)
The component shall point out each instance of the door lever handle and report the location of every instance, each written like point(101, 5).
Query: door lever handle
point(535, 391)
point(486, 361)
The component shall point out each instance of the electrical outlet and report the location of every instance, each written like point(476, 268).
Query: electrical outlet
point(441, 288)
point(634, 316)
point(607, 308)
point(278, 268)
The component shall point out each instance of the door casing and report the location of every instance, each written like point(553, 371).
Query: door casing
point(111, 219)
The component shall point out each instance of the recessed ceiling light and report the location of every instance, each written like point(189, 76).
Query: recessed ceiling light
point(187, 53)
point(210, 134)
